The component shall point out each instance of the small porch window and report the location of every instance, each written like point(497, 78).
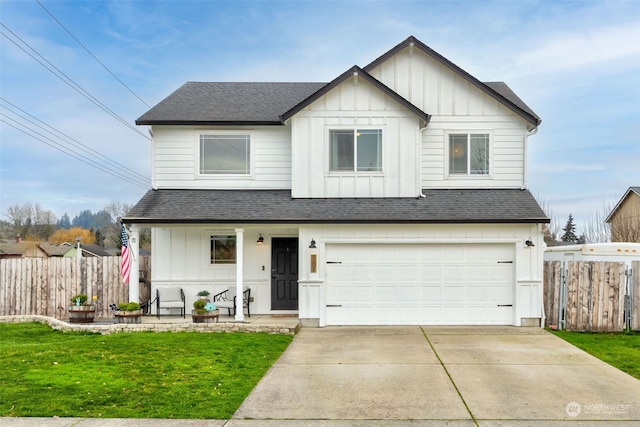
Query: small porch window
point(223, 249)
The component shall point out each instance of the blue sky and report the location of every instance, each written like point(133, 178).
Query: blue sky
point(576, 63)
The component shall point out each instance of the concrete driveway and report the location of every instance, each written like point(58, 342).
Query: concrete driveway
point(461, 376)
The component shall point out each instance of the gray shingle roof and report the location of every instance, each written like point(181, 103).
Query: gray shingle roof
point(262, 103)
point(277, 206)
point(228, 103)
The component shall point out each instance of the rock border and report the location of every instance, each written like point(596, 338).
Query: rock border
point(114, 328)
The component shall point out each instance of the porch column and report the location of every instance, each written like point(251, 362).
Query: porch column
point(239, 276)
point(134, 273)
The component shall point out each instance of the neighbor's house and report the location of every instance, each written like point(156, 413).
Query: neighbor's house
point(394, 194)
point(20, 249)
point(30, 249)
point(88, 250)
point(625, 217)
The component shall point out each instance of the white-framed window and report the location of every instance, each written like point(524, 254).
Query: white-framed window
point(469, 154)
point(225, 155)
point(355, 150)
point(223, 249)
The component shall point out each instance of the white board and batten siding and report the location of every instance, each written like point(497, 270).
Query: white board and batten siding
point(456, 106)
point(474, 274)
point(176, 157)
point(355, 104)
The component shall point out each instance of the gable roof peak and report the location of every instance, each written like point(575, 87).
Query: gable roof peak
point(517, 106)
point(351, 72)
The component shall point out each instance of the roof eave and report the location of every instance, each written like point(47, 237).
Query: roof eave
point(192, 221)
point(209, 122)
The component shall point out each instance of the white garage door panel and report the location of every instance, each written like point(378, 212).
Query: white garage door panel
point(420, 284)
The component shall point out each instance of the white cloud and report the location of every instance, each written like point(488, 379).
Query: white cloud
point(568, 51)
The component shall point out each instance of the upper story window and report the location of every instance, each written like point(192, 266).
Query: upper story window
point(225, 154)
point(355, 150)
point(469, 154)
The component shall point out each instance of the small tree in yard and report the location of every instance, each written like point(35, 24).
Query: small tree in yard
point(570, 231)
point(69, 236)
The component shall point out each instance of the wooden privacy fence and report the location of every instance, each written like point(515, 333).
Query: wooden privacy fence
point(44, 286)
point(592, 296)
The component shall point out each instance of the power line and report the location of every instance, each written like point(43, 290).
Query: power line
point(92, 55)
point(70, 82)
point(67, 151)
point(70, 140)
point(86, 155)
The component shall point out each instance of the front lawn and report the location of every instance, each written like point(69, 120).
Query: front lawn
point(619, 350)
point(45, 373)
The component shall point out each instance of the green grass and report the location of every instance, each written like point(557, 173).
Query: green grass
point(619, 350)
point(45, 373)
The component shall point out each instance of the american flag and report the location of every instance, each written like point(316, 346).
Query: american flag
point(125, 257)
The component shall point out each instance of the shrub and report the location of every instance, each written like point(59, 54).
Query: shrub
point(199, 304)
point(128, 306)
point(82, 297)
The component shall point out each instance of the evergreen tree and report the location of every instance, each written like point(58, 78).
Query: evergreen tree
point(64, 222)
point(569, 235)
point(83, 220)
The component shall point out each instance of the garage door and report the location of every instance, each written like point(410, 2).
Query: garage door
point(408, 284)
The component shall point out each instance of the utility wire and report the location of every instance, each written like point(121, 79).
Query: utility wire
point(92, 55)
point(69, 140)
point(70, 82)
point(66, 150)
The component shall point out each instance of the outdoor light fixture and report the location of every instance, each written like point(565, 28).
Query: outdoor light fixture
point(260, 240)
point(529, 243)
point(313, 257)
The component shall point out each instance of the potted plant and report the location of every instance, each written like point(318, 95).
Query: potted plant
point(204, 295)
point(204, 311)
point(81, 310)
point(128, 312)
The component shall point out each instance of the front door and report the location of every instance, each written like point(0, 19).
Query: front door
point(284, 273)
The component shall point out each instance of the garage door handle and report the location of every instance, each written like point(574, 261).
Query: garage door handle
point(334, 305)
point(505, 305)
point(334, 262)
point(505, 262)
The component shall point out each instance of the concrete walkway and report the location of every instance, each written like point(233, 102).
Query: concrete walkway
point(423, 376)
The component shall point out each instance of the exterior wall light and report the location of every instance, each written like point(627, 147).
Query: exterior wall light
point(529, 243)
point(313, 258)
point(260, 240)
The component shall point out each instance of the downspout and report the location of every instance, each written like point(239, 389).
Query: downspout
point(421, 195)
point(154, 186)
point(525, 155)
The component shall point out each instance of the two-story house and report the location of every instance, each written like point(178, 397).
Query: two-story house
point(394, 194)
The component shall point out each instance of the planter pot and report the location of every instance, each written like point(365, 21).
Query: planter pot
point(208, 317)
point(134, 316)
point(82, 313)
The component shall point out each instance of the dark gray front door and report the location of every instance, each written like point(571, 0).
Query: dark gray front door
point(284, 273)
